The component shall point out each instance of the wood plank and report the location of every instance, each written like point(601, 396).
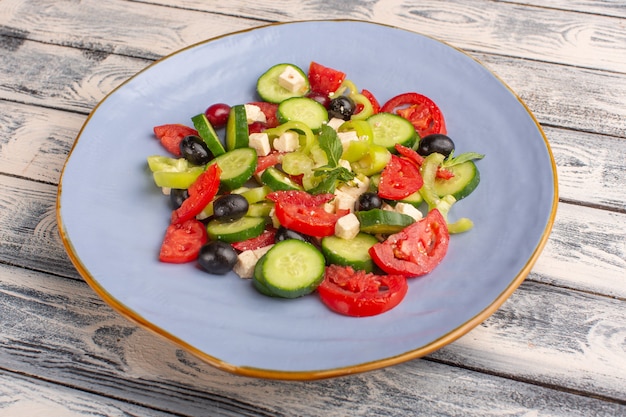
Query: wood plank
point(557, 36)
point(592, 260)
point(70, 79)
point(60, 330)
point(23, 396)
point(614, 8)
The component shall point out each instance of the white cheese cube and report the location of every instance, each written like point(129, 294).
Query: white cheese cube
point(345, 164)
point(287, 142)
point(409, 210)
point(355, 187)
point(386, 206)
point(261, 251)
point(344, 201)
point(246, 261)
point(329, 207)
point(291, 79)
point(346, 137)
point(335, 122)
point(166, 190)
point(254, 114)
point(261, 143)
point(347, 227)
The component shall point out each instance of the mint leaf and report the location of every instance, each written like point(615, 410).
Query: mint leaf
point(331, 177)
point(464, 157)
point(331, 144)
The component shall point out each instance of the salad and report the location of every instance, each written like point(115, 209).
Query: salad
point(315, 188)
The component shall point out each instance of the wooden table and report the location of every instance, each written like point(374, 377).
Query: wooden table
point(556, 347)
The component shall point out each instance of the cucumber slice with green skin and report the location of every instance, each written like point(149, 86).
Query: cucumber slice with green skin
point(237, 230)
point(414, 199)
point(269, 88)
point(390, 129)
point(237, 167)
point(278, 181)
point(305, 110)
point(290, 269)
point(465, 180)
point(260, 209)
point(207, 133)
point(379, 221)
point(258, 281)
point(237, 128)
point(351, 252)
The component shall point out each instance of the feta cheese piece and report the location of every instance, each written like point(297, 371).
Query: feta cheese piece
point(335, 122)
point(345, 164)
point(254, 114)
point(246, 261)
point(166, 190)
point(291, 79)
point(355, 187)
point(387, 206)
point(261, 143)
point(287, 142)
point(344, 201)
point(409, 210)
point(346, 137)
point(347, 227)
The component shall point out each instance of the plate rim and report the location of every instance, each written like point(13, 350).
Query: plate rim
point(442, 341)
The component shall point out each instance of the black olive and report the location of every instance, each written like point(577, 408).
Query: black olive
point(177, 196)
point(230, 207)
point(369, 201)
point(342, 107)
point(283, 234)
point(193, 149)
point(437, 142)
point(217, 257)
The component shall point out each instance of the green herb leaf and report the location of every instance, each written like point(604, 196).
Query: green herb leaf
point(332, 176)
point(331, 144)
point(464, 157)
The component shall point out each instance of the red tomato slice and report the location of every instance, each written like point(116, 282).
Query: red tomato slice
point(264, 162)
point(304, 213)
point(269, 110)
point(183, 241)
point(323, 79)
point(201, 192)
point(420, 110)
point(416, 250)
point(264, 239)
point(399, 179)
point(372, 99)
point(170, 136)
point(360, 294)
point(417, 159)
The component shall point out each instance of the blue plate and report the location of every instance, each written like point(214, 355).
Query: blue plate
point(112, 218)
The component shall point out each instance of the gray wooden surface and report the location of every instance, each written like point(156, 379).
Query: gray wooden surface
point(557, 347)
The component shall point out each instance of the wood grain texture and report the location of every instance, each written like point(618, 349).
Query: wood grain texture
point(59, 329)
point(23, 396)
point(615, 8)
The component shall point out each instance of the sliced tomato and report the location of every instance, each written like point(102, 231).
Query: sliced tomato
point(416, 250)
point(323, 79)
point(372, 99)
point(201, 193)
point(420, 110)
point(304, 213)
point(182, 241)
point(269, 110)
point(264, 239)
point(359, 293)
point(264, 162)
point(170, 136)
point(417, 159)
point(399, 179)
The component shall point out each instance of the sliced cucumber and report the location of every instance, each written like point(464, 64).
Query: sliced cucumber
point(260, 209)
point(237, 167)
point(291, 268)
point(379, 221)
point(237, 230)
point(268, 85)
point(465, 180)
point(278, 180)
point(237, 128)
point(207, 133)
point(414, 199)
point(303, 109)
point(352, 252)
point(390, 129)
